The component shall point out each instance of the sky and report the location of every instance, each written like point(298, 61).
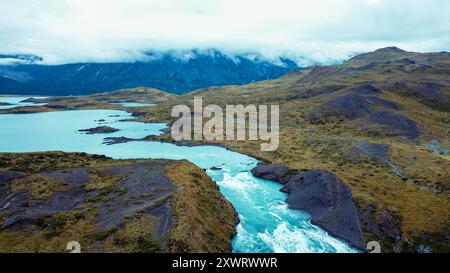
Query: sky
point(318, 31)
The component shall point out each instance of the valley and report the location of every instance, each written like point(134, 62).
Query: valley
point(369, 121)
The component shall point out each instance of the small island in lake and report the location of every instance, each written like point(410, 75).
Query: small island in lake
point(99, 130)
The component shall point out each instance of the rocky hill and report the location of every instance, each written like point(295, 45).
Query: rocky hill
point(49, 199)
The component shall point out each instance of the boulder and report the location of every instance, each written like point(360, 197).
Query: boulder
point(323, 195)
point(273, 172)
point(329, 201)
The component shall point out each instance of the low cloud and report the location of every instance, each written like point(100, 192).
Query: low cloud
point(320, 31)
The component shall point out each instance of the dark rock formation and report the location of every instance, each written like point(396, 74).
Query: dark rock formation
point(4, 103)
point(395, 123)
point(138, 114)
point(99, 130)
point(117, 140)
point(5, 191)
point(365, 89)
point(381, 152)
point(377, 150)
point(329, 201)
point(140, 179)
point(323, 195)
point(137, 205)
point(354, 105)
point(273, 172)
point(425, 90)
point(382, 225)
point(133, 186)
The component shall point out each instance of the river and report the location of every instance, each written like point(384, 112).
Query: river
point(267, 224)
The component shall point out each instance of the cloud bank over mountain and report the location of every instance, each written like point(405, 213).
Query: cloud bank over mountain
point(321, 31)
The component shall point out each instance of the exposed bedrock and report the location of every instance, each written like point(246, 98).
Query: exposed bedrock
point(354, 105)
point(273, 172)
point(324, 196)
point(395, 124)
point(110, 205)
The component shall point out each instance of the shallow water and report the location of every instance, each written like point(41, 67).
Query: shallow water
point(16, 101)
point(267, 225)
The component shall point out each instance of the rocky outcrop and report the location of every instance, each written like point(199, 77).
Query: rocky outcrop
point(110, 205)
point(365, 89)
point(99, 130)
point(353, 105)
point(381, 225)
point(376, 150)
point(329, 201)
point(426, 90)
point(395, 123)
point(273, 172)
point(324, 196)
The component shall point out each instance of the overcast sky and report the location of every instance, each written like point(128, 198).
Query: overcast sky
point(319, 30)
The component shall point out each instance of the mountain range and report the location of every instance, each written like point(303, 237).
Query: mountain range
point(175, 72)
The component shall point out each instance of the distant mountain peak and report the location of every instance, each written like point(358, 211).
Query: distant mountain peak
point(380, 55)
point(390, 49)
point(19, 59)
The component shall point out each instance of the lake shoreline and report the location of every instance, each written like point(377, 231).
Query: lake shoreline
point(153, 138)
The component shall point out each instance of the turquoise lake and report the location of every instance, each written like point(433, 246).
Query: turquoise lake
point(267, 224)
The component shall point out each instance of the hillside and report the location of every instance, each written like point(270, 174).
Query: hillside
point(175, 72)
point(51, 198)
point(379, 121)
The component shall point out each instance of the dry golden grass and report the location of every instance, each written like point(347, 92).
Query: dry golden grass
point(52, 236)
point(204, 219)
point(39, 187)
